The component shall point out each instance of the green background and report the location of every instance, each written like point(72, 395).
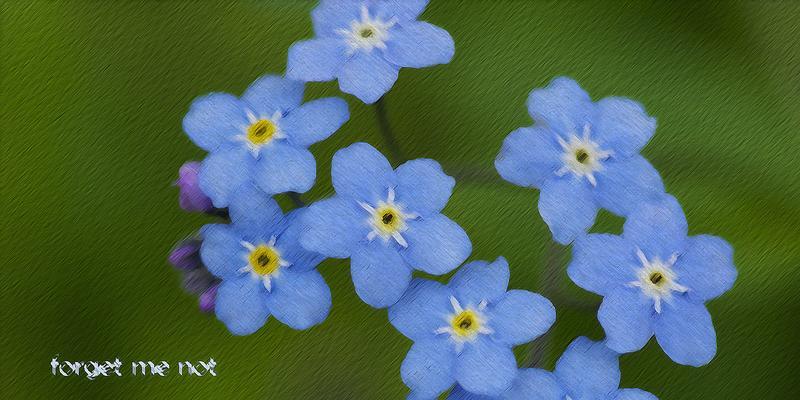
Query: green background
point(93, 94)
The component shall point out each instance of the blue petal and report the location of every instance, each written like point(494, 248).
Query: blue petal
point(428, 367)
point(658, 228)
point(403, 10)
point(535, 384)
point(602, 262)
point(316, 60)
point(252, 209)
point(422, 310)
point(241, 305)
point(626, 315)
point(624, 185)
point(315, 121)
point(634, 394)
point(333, 226)
point(623, 126)
point(367, 76)
point(417, 396)
point(588, 370)
point(685, 331)
point(222, 251)
point(480, 281)
point(299, 299)
point(485, 367)
point(529, 157)
point(332, 15)
point(223, 172)
point(419, 45)
point(362, 172)
point(562, 105)
point(379, 273)
point(288, 243)
point(458, 393)
point(436, 245)
point(285, 168)
point(706, 267)
point(272, 93)
point(422, 186)
point(520, 317)
point(568, 208)
point(214, 119)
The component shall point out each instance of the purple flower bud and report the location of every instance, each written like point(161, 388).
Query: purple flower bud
point(186, 255)
point(209, 298)
point(197, 281)
point(191, 197)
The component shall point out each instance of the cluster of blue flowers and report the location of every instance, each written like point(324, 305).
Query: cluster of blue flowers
point(581, 155)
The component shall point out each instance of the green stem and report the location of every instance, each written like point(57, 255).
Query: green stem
point(387, 133)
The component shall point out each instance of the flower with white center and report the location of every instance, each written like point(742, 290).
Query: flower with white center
point(263, 262)
point(261, 131)
point(368, 33)
point(388, 220)
point(657, 279)
point(582, 156)
point(465, 324)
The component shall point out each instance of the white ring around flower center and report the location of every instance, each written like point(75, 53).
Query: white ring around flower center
point(266, 278)
point(582, 156)
point(255, 147)
point(388, 220)
point(657, 279)
point(367, 33)
point(477, 320)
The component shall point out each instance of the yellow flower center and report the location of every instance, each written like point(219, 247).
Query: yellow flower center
point(366, 33)
point(261, 131)
point(264, 260)
point(656, 278)
point(388, 219)
point(582, 156)
point(466, 323)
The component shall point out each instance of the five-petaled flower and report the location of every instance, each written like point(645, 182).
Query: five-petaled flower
point(263, 268)
point(388, 222)
point(655, 279)
point(364, 43)
point(586, 370)
point(582, 156)
point(464, 332)
point(262, 137)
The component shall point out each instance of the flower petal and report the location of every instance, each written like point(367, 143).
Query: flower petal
point(299, 299)
point(529, 157)
point(562, 105)
point(625, 315)
point(685, 331)
point(288, 243)
point(623, 126)
point(316, 60)
point(520, 317)
point(419, 45)
point(422, 310)
point(252, 209)
point(223, 172)
point(535, 384)
point(659, 228)
point(403, 10)
point(706, 267)
point(333, 226)
point(272, 93)
point(241, 305)
point(315, 121)
point(362, 172)
point(634, 394)
point(568, 208)
point(285, 168)
point(458, 393)
point(221, 250)
point(380, 275)
point(626, 184)
point(367, 76)
point(587, 369)
point(436, 245)
point(428, 367)
point(332, 15)
point(480, 281)
point(423, 187)
point(214, 119)
point(602, 262)
point(486, 367)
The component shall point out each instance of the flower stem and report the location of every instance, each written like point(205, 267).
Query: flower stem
point(296, 200)
point(387, 133)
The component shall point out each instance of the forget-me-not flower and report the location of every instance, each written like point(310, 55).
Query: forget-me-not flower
point(464, 332)
point(387, 221)
point(586, 371)
point(581, 156)
point(364, 43)
point(262, 137)
point(263, 268)
point(655, 279)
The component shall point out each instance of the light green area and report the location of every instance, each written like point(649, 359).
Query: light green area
point(93, 94)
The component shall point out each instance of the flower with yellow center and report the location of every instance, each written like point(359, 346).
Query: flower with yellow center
point(263, 261)
point(465, 324)
point(261, 132)
point(582, 156)
point(367, 33)
point(388, 220)
point(657, 279)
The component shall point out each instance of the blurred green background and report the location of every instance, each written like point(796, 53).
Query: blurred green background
point(93, 94)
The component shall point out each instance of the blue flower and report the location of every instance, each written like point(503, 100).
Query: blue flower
point(364, 43)
point(587, 370)
point(387, 221)
point(464, 332)
point(263, 268)
point(582, 156)
point(655, 279)
point(262, 137)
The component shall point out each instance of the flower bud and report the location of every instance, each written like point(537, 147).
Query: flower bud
point(191, 197)
point(186, 255)
point(209, 298)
